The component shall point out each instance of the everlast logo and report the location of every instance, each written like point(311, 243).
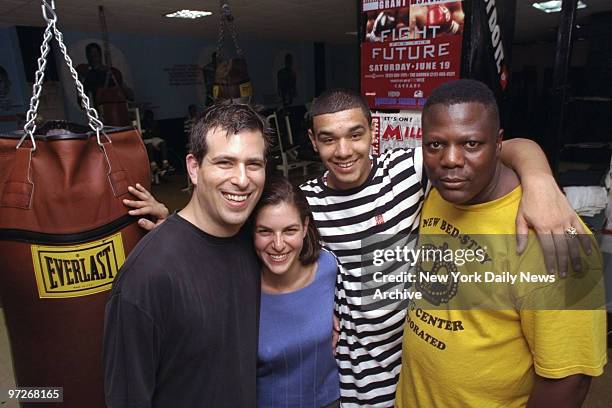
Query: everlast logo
point(497, 43)
point(70, 271)
point(65, 272)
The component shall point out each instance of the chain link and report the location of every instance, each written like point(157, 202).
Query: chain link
point(92, 114)
point(235, 38)
point(51, 30)
point(30, 126)
point(221, 34)
point(226, 20)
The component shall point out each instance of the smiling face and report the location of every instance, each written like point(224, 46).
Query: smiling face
point(343, 141)
point(229, 181)
point(461, 146)
point(279, 238)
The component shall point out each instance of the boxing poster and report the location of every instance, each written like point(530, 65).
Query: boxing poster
point(396, 130)
point(408, 48)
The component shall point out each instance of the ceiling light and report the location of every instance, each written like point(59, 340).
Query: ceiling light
point(192, 14)
point(554, 6)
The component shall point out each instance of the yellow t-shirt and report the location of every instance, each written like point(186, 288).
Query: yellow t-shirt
point(480, 344)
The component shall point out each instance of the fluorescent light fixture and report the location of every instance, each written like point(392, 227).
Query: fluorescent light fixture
point(192, 14)
point(554, 6)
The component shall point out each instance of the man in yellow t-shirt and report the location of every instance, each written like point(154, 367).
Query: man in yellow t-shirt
point(498, 331)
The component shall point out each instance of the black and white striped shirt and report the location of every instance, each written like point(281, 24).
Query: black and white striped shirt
point(383, 211)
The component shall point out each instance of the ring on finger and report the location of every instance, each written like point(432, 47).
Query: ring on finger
point(571, 232)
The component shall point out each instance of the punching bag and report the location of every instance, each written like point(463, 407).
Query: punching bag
point(64, 234)
point(231, 75)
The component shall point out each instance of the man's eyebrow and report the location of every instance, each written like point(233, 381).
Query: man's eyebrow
point(223, 157)
point(356, 128)
point(226, 157)
point(324, 132)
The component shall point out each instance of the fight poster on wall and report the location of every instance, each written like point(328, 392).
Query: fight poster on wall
point(396, 130)
point(408, 48)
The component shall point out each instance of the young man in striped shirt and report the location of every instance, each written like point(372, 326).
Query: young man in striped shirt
point(365, 202)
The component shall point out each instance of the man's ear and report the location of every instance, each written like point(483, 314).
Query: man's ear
point(192, 168)
point(311, 136)
point(500, 139)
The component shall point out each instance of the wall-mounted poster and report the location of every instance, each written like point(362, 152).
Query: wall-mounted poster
point(409, 47)
point(396, 130)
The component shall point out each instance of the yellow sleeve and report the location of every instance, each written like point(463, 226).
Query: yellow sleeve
point(566, 342)
point(564, 322)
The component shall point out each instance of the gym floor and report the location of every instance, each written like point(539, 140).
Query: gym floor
point(169, 192)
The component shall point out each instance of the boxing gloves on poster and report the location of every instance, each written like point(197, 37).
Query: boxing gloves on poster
point(449, 17)
point(385, 21)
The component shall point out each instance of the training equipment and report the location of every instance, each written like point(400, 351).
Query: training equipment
point(64, 234)
point(231, 76)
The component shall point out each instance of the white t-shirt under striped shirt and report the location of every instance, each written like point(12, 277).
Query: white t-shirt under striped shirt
point(385, 209)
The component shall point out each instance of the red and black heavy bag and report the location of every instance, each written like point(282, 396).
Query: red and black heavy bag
point(64, 233)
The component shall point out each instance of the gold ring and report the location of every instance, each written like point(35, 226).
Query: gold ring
point(571, 232)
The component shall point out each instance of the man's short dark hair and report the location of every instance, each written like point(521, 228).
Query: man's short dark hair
point(233, 118)
point(463, 91)
point(338, 100)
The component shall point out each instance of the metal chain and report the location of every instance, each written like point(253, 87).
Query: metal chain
point(226, 20)
point(30, 126)
point(229, 19)
point(92, 114)
point(221, 34)
point(51, 30)
point(235, 38)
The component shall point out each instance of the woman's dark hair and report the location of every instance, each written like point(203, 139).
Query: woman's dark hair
point(279, 190)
